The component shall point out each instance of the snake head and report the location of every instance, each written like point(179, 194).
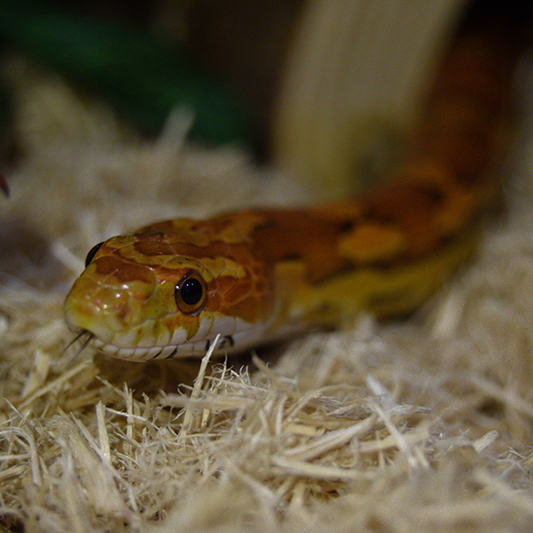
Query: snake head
point(159, 297)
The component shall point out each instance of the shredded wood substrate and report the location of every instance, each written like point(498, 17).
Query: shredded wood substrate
point(423, 424)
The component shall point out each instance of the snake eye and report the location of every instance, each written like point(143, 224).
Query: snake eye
point(92, 253)
point(191, 293)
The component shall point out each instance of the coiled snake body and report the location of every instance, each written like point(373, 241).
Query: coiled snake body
point(168, 289)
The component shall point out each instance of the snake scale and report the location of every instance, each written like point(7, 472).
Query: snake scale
point(257, 275)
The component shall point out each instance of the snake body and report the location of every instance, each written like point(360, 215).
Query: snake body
point(168, 289)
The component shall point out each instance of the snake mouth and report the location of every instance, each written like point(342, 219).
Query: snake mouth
point(137, 354)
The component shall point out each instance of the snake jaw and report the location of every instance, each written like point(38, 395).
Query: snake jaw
point(246, 336)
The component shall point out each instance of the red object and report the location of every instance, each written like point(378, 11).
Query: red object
point(3, 185)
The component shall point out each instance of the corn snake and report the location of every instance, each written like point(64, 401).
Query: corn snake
point(258, 275)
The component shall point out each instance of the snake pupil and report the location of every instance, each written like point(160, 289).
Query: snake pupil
point(92, 253)
point(191, 291)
